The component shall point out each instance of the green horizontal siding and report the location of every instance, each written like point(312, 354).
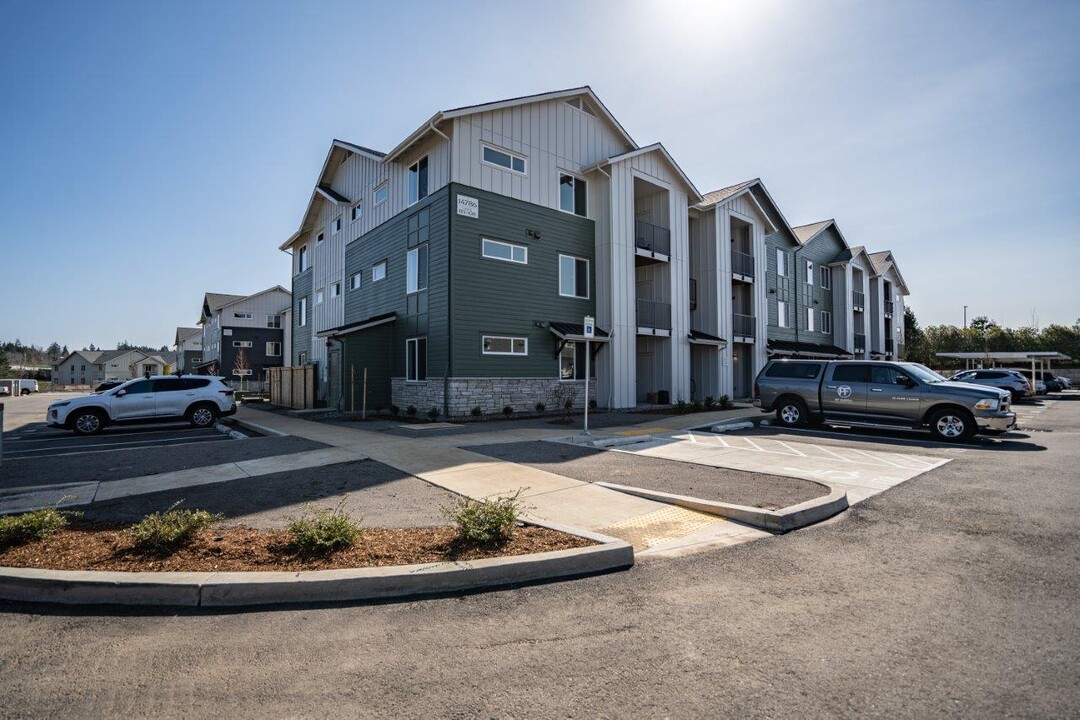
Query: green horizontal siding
point(301, 288)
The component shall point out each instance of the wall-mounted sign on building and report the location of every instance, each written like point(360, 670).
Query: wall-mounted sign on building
point(468, 206)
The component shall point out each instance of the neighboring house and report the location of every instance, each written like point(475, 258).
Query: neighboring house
point(555, 213)
point(189, 348)
point(79, 368)
point(85, 367)
point(251, 324)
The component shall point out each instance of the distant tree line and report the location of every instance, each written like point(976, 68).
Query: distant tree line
point(985, 335)
point(16, 353)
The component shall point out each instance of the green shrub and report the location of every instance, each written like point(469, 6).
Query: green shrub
point(725, 402)
point(411, 411)
point(695, 406)
point(540, 407)
point(477, 411)
point(485, 522)
point(395, 410)
point(433, 413)
point(323, 531)
point(165, 531)
point(680, 406)
point(710, 402)
point(508, 410)
point(33, 525)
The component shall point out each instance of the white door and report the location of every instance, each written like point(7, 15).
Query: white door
point(137, 402)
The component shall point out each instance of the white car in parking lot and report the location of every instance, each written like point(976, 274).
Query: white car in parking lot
point(198, 399)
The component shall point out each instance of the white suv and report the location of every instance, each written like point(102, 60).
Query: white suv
point(199, 399)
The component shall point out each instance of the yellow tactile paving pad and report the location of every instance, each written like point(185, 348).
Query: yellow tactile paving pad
point(651, 529)
point(643, 431)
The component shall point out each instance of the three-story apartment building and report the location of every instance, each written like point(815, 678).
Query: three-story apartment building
point(455, 270)
point(248, 324)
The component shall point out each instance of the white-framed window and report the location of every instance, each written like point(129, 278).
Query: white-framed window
point(504, 345)
point(573, 276)
point(416, 359)
point(302, 259)
point(502, 159)
point(302, 359)
point(335, 226)
point(273, 349)
point(572, 362)
point(241, 372)
point(273, 321)
point(320, 237)
point(781, 314)
point(826, 321)
point(810, 319)
point(809, 272)
point(335, 289)
point(302, 320)
point(826, 277)
point(382, 193)
point(355, 281)
point(418, 180)
point(416, 269)
point(358, 210)
point(499, 250)
point(572, 194)
point(378, 271)
point(781, 263)
point(241, 343)
point(242, 315)
point(318, 296)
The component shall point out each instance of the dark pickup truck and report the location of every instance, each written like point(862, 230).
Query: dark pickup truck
point(880, 394)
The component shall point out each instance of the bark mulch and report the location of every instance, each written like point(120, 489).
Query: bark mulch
point(241, 548)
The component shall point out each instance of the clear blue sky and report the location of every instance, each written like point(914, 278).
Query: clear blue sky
point(154, 151)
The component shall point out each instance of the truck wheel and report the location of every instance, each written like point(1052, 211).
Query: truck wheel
point(952, 425)
point(25, 392)
point(87, 422)
point(202, 415)
point(791, 412)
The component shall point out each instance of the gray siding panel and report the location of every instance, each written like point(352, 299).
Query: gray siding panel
point(795, 290)
point(301, 288)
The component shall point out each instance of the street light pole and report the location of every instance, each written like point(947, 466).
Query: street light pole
point(965, 317)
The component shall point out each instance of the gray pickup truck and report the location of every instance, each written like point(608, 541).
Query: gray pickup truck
point(880, 394)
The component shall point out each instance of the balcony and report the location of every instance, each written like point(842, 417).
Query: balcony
point(888, 308)
point(860, 343)
point(742, 264)
point(651, 238)
point(858, 301)
point(653, 314)
point(742, 325)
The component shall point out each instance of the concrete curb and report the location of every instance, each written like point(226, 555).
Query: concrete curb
point(779, 521)
point(257, 428)
point(77, 587)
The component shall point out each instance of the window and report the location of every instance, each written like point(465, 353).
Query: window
point(826, 321)
point(499, 345)
point(416, 275)
point(496, 250)
point(273, 349)
point(242, 315)
point(139, 388)
point(503, 159)
point(851, 373)
point(781, 314)
point(378, 271)
point(302, 312)
point(418, 180)
point(781, 263)
point(885, 375)
point(355, 281)
point(320, 237)
point(416, 359)
point(810, 318)
point(809, 272)
point(318, 296)
point(382, 193)
point(826, 277)
point(302, 359)
point(241, 343)
point(573, 277)
point(273, 321)
point(302, 259)
point(335, 289)
point(572, 362)
point(358, 210)
point(335, 227)
point(572, 194)
point(793, 369)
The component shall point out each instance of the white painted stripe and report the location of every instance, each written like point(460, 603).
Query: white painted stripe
point(77, 448)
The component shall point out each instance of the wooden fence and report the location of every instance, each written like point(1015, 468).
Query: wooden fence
point(292, 387)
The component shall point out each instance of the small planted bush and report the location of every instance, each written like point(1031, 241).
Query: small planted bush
point(725, 402)
point(710, 402)
point(477, 411)
point(681, 406)
point(433, 413)
point(507, 410)
point(167, 531)
point(395, 410)
point(411, 411)
point(540, 407)
point(696, 406)
point(485, 522)
point(34, 525)
point(323, 531)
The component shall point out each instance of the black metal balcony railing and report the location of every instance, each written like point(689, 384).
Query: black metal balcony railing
point(742, 263)
point(888, 308)
point(653, 314)
point(652, 237)
point(860, 342)
point(858, 300)
point(888, 345)
point(742, 325)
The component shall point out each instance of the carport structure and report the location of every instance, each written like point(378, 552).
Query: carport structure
point(1039, 360)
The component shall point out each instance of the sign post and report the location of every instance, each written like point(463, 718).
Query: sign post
point(590, 331)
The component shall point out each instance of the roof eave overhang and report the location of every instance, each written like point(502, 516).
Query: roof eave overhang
point(695, 198)
point(415, 137)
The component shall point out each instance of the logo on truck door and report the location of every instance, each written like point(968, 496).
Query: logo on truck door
point(844, 391)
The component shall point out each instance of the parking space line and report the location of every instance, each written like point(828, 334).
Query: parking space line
point(208, 438)
point(836, 455)
point(114, 434)
point(880, 459)
point(796, 452)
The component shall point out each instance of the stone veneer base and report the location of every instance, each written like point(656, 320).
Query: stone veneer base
point(491, 395)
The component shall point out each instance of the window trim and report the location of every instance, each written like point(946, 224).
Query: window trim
point(415, 340)
point(427, 179)
point(809, 272)
point(512, 246)
point(781, 265)
point(411, 287)
point(358, 205)
point(511, 338)
point(302, 312)
point(243, 316)
point(273, 321)
point(302, 258)
point(335, 289)
point(319, 294)
point(781, 314)
point(495, 148)
point(588, 279)
point(356, 280)
point(826, 320)
point(810, 325)
point(241, 344)
point(385, 270)
point(558, 191)
point(825, 277)
point(384, 185)
point(336, 224)
point(279, 348)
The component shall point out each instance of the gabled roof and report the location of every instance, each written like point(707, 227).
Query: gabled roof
point(718, 196)
point(216, 301)
point(724, 194)
point(806, 233)
point(332, 195)
point(89, 356)
point(695, 194)
point(186, 333)
point(882, 261)
point(255, 295)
